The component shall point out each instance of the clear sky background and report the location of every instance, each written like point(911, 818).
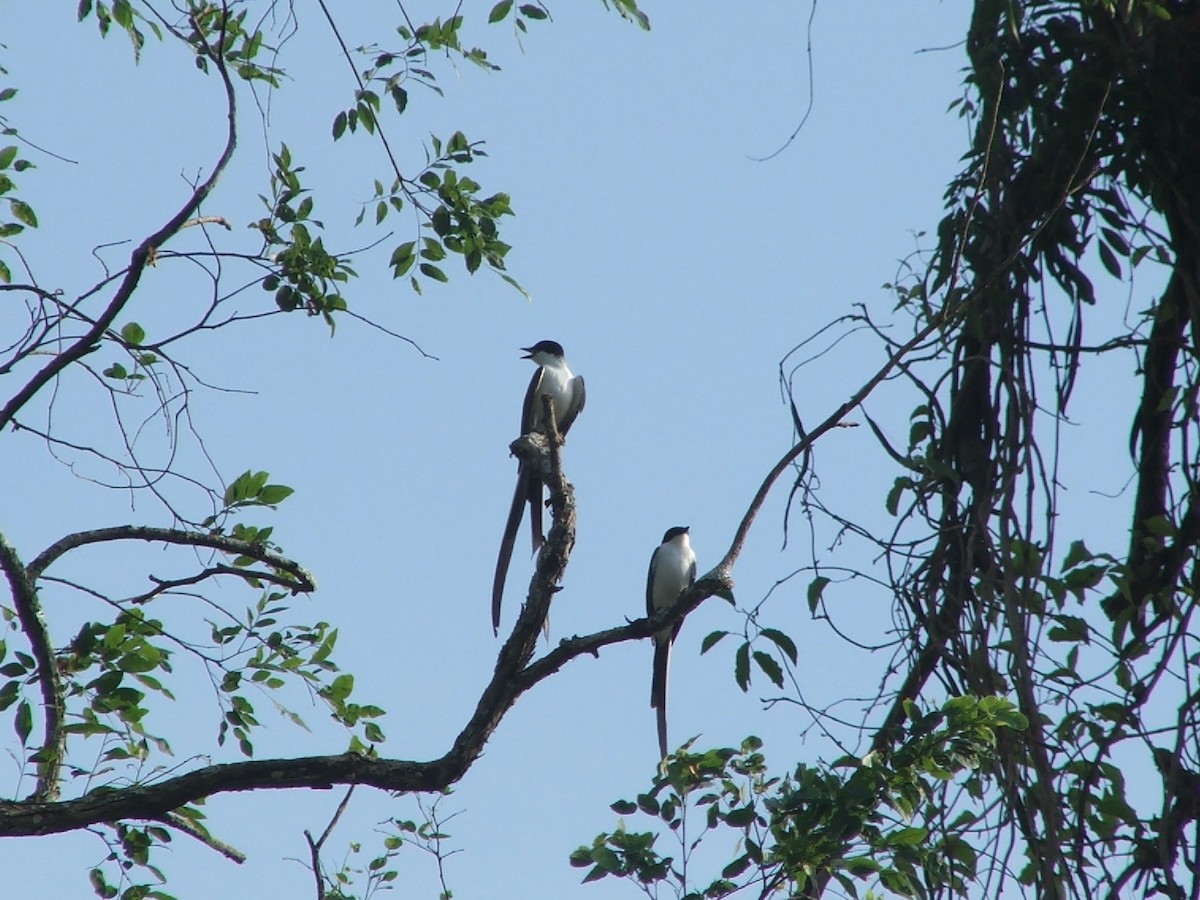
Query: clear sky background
point(675, 268)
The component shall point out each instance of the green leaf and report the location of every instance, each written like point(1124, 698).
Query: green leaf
point(403, 258)
point(1069, 628)
point(23, 723)
point(122, 13)
point(1076, 554)
point(433, 250)
point(95, 876)
point(741, 667)
point(513, 283)
point(1013, 718)
point(907, 837)
point(532, 12)
point(892, 504)
point(738, 866)
point(782, 641)
point(23, 212)
point(341, 687)
point(595, 875)
point(7, 155)
point(770, 667)
point(606, 859)
point(133, 333)
point(500, 10)
point(862, 866)
point(712, 639)
point(431, 271)
point(1109, 260)
point(272, 494)
point(815, 589)
point(741, 817)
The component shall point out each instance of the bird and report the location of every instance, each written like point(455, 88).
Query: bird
point(553, 377)
point(672, 571)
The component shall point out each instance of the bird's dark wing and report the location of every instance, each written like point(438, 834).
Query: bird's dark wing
point(520, 498)
point(531, 408)
point(650, 584)
point(530, 418)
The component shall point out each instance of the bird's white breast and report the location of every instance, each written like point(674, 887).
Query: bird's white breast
point(672, 572)
point(555, 381)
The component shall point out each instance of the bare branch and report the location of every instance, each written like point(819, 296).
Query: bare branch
point(303, 583)
point(314, 847)
point(168, 585)
point(190, 828)
point(739, 539)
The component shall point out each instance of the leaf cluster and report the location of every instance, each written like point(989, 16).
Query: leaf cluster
point(854, 820)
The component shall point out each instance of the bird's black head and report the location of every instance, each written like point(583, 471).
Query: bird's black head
point(552, 347)
point(675, 532)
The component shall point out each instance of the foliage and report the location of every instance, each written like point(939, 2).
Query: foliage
point(861, 819)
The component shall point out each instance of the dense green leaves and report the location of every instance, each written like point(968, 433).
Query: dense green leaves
point(855, 819)
point(252, 489)
point(305, 275)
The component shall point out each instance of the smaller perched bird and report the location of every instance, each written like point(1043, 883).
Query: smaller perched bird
point(672, 571)
point(567, 393)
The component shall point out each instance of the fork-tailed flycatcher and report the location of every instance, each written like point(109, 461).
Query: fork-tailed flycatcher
point(553, 377)
point(672, 571)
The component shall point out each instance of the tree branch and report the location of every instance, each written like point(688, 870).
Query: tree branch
point(29, 614)
point(303, 580)
point(138, 260)
point(722, 569)
point(512, 677)
point(192, 829)
point(314, 847)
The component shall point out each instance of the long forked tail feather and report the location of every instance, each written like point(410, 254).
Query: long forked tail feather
point(506, 544)
point(658, 690)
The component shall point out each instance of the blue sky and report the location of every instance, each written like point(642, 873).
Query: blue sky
point(675, 268)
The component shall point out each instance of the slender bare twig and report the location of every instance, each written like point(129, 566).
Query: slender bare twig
point(190, 828)
point(314, 847)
